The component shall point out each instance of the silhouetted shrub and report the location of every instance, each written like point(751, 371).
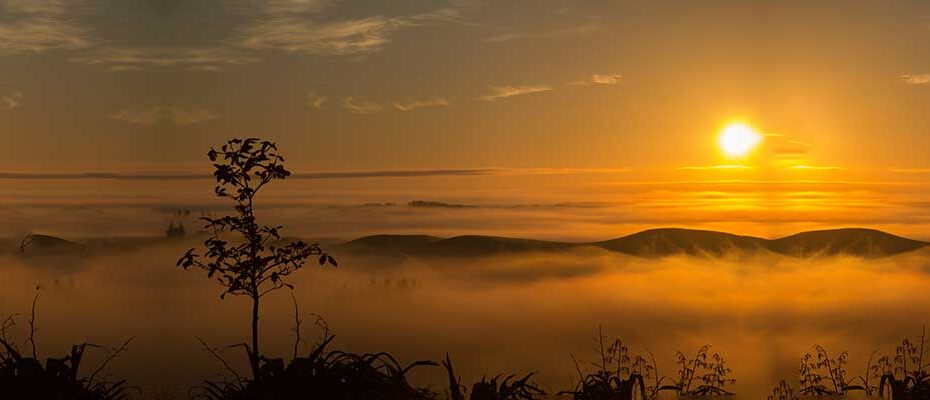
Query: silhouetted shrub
point(905, 375)
point(782, 392)
point(508, 388)
point(618, 375)
point(622, 375)
point(704, 375)
point(822, 375)
point(323, 374)
point(24, 377)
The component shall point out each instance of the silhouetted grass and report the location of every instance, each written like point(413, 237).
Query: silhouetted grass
point(622, 375)
point(508, 388)
point(24, 376)
point(906, 374)
point(822, 375)
point(618, 375)
point(323, 374)
point(782, 391)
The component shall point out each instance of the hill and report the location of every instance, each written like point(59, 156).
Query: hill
point(459, 246)
point(654, 243)
point(664, 242)
point(866, 243)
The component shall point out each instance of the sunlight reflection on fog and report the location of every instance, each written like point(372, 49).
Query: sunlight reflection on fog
point(493, 314)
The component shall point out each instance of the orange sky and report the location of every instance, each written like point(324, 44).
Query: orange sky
point(616, 99)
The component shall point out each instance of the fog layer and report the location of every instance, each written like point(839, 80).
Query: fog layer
point(491, 314)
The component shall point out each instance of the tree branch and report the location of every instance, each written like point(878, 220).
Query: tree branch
point(219, 358)
point(116, 352)
point(32, 325)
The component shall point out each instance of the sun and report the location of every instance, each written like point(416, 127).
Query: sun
point(738, 139)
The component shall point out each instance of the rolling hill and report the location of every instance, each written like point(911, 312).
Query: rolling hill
point(654, 243)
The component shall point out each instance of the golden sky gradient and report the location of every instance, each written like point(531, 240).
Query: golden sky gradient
point(615, 102)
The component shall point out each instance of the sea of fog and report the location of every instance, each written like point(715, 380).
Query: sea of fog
point(527, 313)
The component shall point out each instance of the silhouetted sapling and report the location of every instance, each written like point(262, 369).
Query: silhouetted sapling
point(258, 263)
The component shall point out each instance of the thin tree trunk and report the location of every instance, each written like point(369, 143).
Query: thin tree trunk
point(254, 357)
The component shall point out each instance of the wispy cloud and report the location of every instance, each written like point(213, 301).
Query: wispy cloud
point(276, 7)
point(330, 38)
point(715, 167)
point(293, 26)
point(816, 168)
point(428, 103)
point(911, 170)
point(204, 68)
point(503, 92)
point(37, 26)
point(786, 147)
point(315, 100)
point(600, 79)
point(13, 100)
point(361, 106)
point(543, 34)
point(196, 59)
point(916, 79)
point(177, 115)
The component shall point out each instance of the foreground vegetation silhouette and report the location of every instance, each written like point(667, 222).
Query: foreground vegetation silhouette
point(903, 375)
point(22, 376)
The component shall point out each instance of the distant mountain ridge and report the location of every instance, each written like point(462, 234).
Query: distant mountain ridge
point(653, 243)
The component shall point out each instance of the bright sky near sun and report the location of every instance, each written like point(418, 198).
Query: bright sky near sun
point(737, 140)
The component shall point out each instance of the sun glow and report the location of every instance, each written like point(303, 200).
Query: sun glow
point(738, 139)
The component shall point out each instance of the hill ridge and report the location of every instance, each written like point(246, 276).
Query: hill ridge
point(653, 243)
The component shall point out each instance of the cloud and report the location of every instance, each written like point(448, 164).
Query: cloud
point(715, 167)
point(204, 68)
point(38, 26)
point(361, 106)
point(911, 170)
point(816, 168)
point(292, 26)
point(503, 92)
point(13, 100)
point(119, 59)
point(275, 7)
point(784, 146)
point(600, 79)
point(175, 114)
point(314, 100)
point(415, 104)
point(185, 116)
point(918, 79)
point(147, 116)
point(556, 33)
point(333, 38)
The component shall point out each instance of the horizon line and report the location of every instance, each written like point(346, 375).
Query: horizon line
point(347, 174)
